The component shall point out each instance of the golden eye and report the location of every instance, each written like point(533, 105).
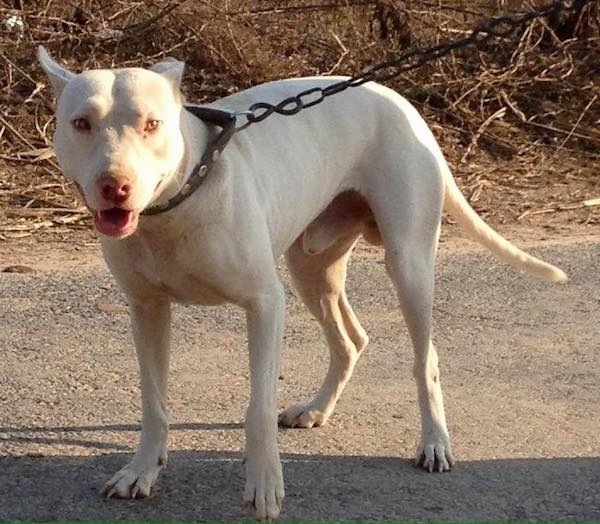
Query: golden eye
point(82, 124)
point(151, 126)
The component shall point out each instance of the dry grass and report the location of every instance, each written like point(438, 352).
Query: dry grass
point(518, 119)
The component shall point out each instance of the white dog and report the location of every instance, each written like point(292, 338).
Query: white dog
point(363, 162)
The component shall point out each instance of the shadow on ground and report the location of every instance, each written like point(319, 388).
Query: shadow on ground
point(208, 485)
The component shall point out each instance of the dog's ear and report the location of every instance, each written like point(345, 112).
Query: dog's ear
point(172, 70)
point(59, 76)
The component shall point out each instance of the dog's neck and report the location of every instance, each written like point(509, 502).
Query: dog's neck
point(196, 137)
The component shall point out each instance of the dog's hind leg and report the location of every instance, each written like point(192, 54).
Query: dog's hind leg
point(320, 280)
point(412, 273)
point(408, 211)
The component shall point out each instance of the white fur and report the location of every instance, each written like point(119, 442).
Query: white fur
point(221, 245)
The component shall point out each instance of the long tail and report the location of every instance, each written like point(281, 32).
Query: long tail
point(457, 206)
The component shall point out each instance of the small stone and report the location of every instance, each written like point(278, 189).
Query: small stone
point(110, 307)
point(18, 268)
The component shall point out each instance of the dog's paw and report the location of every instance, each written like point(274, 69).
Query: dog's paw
point(263, 495)
point(134, 480)
point(303, 416)
point(435, 453)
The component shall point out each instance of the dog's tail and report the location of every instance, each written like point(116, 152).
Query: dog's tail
point(457, 206)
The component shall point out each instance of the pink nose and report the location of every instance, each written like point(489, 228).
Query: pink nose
point(114, 190)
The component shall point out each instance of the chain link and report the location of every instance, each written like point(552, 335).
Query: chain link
point(498, 27)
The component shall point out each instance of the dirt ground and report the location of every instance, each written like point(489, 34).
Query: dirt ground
point(519, 359)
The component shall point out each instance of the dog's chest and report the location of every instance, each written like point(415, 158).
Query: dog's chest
point(171, 269)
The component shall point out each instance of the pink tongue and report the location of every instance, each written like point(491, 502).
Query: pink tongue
point(115, 217)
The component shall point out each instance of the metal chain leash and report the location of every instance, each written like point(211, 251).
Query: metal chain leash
point(497, 27)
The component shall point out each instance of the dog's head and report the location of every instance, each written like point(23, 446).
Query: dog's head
point(117, 136)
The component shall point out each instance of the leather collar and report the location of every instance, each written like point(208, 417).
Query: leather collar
point(227, 122)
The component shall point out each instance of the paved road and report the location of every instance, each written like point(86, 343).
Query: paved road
point(520, 368)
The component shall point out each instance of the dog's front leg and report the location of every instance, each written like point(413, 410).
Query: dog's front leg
point(264, 479)
point(151, 321)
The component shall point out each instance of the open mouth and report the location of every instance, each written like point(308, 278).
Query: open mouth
point(116, 222)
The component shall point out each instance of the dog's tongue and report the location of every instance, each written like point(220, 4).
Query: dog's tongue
point(113, 221)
